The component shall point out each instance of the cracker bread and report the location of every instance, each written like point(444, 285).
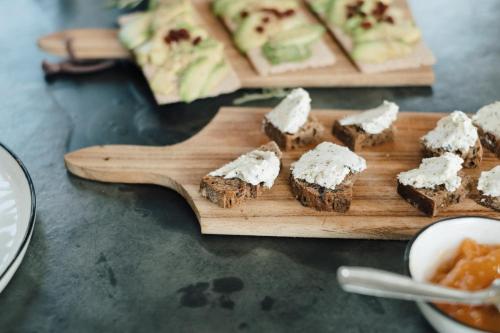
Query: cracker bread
point(356, 138)
point(310, 132)
point(321, 56)
point(421, 55)
point(230, 84)
point(231, 192)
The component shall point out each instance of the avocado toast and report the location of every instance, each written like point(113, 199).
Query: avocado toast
point(178, 57)
point(378, 35)
point(276, 35)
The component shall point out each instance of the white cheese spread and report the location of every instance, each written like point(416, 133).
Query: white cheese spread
point(254, 167)
point(292, 112)
point(374, 121)
point(488, 118)
point(452, 133)
point(435, 171)
point(327, 165)
point(489, 182)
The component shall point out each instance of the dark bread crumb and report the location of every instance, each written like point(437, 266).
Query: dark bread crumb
point(228, 193)
point(321, 198)
point(482, 199)
point(310, 132)
point(490, 141)
point(431, 201)
point(356, 138)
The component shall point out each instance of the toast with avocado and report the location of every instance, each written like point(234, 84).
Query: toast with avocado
point(178, 57)
point(276, 36)
point(378, 35)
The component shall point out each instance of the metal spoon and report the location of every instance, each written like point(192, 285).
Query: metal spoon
point(374, 282)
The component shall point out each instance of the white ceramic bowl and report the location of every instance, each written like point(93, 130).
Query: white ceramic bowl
point(437, 243)
point(17, 213)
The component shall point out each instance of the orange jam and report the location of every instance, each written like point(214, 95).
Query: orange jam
point(473, 268)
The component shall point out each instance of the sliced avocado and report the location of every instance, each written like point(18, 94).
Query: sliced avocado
point(319, 6)
point(336, 11)
point(230, 9)
point(406, 33)
point(293, 53)
point(193, 78)
point(219, 6)
point(247, 36)
point(290, 22)
point(280, 5)
point(136, 32)
point(209, 48)
point(163, 16)
point(352, 23)
point(301, 35)
point(218, 73)
point(379, 51)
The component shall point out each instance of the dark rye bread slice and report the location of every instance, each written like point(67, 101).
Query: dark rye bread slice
point(472, 158)
point(490, 141)
point(489, 201)
point(482, 199)
point(310, 132)
point(321, 198)
point(431, 201)
point(356, 138)
point(231, 192)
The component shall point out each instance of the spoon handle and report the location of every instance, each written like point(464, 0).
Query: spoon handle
point(374, 282)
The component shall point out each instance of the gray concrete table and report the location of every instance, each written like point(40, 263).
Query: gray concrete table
point(131, 258)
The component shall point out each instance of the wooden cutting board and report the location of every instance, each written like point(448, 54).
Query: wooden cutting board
point(377, 211)
point(102, 43)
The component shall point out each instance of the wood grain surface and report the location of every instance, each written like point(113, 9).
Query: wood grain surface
point(102, 43)
point(377, 211)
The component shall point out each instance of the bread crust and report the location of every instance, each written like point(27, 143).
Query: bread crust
point(431, 201)
point(356, 138)
point(490, 141)
point(321, 198)
point(482, 199)
point(472, 158)
point(311, 132)
point(231, 192)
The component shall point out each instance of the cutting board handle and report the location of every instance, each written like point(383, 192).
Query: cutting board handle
point(85, 44)
point(126, 164)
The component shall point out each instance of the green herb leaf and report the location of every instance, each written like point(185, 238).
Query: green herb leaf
point(266, 94)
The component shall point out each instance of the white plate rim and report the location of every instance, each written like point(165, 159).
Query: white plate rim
point(31, 223)
point(407, 264)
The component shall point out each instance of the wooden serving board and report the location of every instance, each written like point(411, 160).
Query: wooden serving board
point(377, 211)
point(102, 43)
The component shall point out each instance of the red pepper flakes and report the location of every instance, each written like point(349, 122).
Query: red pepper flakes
point(196, 41)
point(366, 25)
point(389, 19)
point(355, 9)
point(265, 20)
point(243, 14)
point(379, 10)
point(176, 35)
point(277, 13)
point(259, 29)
